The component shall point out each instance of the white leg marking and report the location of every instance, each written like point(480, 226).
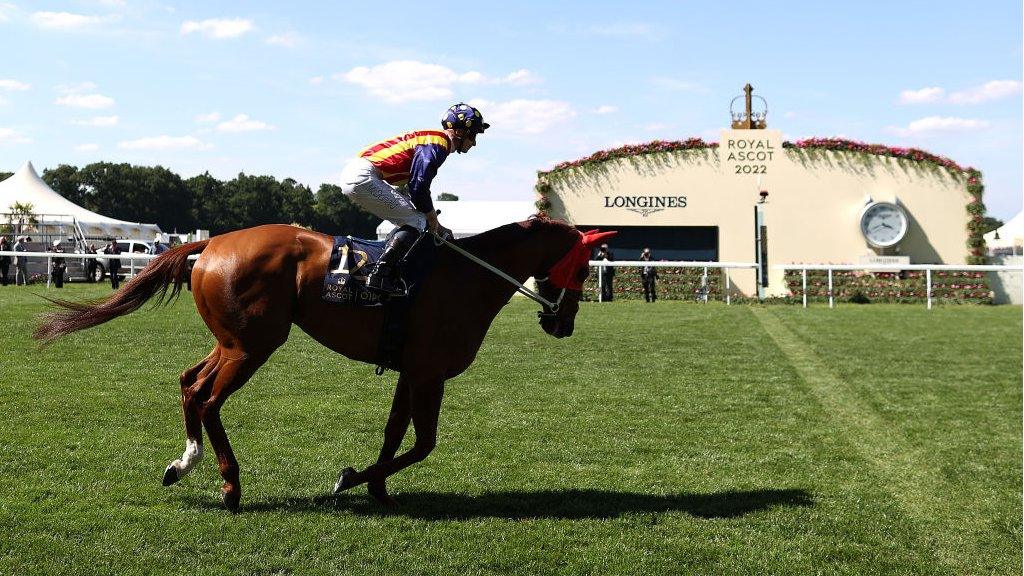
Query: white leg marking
point(192, 455)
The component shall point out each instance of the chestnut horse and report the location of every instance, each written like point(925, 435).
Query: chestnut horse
point(251, 285)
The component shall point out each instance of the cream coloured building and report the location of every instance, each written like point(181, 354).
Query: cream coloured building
point(824, 204)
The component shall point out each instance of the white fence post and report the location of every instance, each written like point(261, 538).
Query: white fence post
point(928, 282)
point(704, 285)
point(830, 305)
point(804, 274)
point(727, 301)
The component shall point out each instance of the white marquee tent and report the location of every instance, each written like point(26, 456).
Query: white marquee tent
point(1009, 235)
point(469, 217)
point(54, 212)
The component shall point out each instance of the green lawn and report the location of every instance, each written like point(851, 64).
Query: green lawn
point(670, 438)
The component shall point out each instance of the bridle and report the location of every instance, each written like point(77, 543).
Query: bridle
point(553, 306)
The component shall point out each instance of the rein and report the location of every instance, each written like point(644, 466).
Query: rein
point(553, 306)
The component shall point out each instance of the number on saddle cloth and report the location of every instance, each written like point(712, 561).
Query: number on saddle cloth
point(352, 259)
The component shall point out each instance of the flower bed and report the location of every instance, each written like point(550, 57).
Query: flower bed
point(959, 287)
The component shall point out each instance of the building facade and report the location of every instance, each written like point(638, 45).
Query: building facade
point(827, 201)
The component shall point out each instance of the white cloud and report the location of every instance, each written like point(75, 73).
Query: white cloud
point(288, 40)
point(409, 80)
point(606, 109)
point(522, 78)
point(5, 11)
point(92, 101)
point(922, 96)
point(218, 28)
point(242, 123)
point(87, 147)
point(9, 136)
point(404, 80)
point(941, 124)
point(993, 90)
point(98, 121)
point(8, 84)
point(316, 80)
point(67, 20)
point(165, 143)
point(525, 116)
point(211, 117)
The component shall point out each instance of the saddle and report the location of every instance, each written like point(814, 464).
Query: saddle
point(351, 261)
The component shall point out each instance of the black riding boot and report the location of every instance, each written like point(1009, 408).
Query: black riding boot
point(384, 277)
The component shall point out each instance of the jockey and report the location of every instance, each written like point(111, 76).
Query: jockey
point(391, 179)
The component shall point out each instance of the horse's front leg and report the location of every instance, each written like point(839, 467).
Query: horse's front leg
point(423, 405)
point(394, 432)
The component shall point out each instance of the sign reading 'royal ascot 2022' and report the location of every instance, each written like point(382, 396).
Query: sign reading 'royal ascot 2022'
point(749, 152)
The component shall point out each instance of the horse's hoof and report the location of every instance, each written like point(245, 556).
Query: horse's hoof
point(380, 493)
point(231, 500)
point(170, 476)
point(345, 480)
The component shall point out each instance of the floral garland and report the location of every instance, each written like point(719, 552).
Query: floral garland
point(975, 241)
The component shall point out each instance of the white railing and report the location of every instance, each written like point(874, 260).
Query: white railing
point(130, 256)
point(892, 268)
point(675, 264)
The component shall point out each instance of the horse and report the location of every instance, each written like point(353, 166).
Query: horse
point(251, 285)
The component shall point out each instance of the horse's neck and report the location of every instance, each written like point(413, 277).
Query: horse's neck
point(519, 253)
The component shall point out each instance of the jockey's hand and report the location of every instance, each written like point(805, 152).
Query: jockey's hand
point(432, 224)
point(444, 232)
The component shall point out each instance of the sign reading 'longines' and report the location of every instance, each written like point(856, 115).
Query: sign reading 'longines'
point(645, 205)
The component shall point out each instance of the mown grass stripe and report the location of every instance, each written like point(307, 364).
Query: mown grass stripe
point(909, 474)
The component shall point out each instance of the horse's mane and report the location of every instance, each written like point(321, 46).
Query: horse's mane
point(502, 236)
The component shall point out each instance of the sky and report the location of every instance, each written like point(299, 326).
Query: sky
point(294, 89)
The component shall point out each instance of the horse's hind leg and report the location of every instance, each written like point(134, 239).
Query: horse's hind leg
point(232, 373)
point(194, 390)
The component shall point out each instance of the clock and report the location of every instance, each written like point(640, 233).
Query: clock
point(883, 224)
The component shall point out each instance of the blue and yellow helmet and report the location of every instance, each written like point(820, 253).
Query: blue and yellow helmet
point(463, 116)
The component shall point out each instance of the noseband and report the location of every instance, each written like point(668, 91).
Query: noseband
point(553, 306)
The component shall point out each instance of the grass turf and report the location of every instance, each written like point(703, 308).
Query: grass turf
point(669, 438)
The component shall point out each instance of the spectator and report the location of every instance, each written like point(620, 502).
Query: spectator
point(648, 276)
point(57, 265)
point(91, 265)
point(21, 262)
point(113, 264)
point(158, 246)
point(607, 273)
point(5, 261)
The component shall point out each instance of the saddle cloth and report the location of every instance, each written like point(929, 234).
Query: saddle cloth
point(352, 259)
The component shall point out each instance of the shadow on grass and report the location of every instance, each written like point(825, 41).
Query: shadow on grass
point(556, 504)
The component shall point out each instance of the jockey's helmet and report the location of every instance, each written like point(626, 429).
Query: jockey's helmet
point(464, 116)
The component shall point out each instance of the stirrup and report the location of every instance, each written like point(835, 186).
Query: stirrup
point(384, 283)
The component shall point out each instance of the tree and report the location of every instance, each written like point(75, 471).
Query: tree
point(447, 196)
point(297, 202)
point(337, 215)
point(64, 181)
point(21, 214)
point(5, 175)
point(209, 206)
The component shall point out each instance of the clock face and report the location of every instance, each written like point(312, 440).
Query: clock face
point(883, 224)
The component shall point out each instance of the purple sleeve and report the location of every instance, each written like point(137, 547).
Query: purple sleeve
point(425, 162)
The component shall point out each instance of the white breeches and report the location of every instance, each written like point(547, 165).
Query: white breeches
point(361, 182)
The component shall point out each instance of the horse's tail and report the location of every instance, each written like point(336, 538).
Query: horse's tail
point(169, 268)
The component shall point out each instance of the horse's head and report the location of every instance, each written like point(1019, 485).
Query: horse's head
point(563, 285)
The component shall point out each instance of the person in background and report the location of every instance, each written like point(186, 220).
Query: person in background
point(113, 264)
point(90, 266)
point(648, 276)
point(607, 273)
point(158, 246)
point(21, 262)
point(57, 265)
point(5, 261)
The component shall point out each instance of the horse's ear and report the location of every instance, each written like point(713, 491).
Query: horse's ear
point(593, 237)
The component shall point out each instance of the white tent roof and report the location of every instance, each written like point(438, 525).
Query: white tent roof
point(1010, 234)
point(469, 217)
point(26, 187)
